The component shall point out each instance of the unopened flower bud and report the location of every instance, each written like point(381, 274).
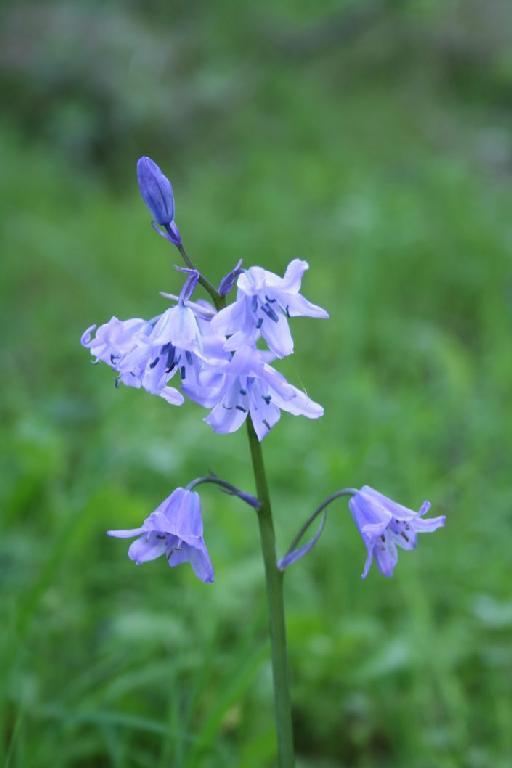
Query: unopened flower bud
point(189, 284)
point(156, 191)
point(228, 282)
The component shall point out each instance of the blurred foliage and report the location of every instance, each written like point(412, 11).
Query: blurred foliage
point(374, 140)
point(100, 79)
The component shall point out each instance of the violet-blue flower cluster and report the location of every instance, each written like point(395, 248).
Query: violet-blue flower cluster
point(220, 357)
point(212, 357)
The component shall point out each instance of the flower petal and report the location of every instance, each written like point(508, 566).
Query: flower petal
point(179, 514)
point(178, 326)
point(298, 306)
point(223, 420)
point(126, 534)
point(172, 396)
point(277, 335)
point(148, 547)
point(428, 526)
point(264, 413)
point(386, 556)
point(197, 557)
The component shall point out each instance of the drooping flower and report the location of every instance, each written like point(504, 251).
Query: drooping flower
point(264, 303)
point(178, 325)
point(122, 344)
point(174, 529)
point(385, 525)
point(184, 329)
point(148, 354)
point(247, 384)
point(113, 339)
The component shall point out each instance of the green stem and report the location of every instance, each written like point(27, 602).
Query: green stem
point(216, 298)
point(229, 488)
point(318, 511)
point(274, 582)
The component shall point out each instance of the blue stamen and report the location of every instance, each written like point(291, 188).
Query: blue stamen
point(170, 351)
point(269, 312)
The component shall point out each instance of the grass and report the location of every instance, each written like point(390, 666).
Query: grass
point(408, 240)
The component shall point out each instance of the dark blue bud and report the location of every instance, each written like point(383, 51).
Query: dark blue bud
point(228, 281)
point(189, 284)
point(156, 191)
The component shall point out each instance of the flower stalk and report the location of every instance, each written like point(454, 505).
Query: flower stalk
point(294, 553)
point(228, 488)
point(277, 627)
point(218, 300)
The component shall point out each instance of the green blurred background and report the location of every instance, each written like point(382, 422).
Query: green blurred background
point(374, 140)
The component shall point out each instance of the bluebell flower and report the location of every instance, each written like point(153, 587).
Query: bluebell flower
point(385, 525)
point(174, 529)
point(156, 191)
point(123, 345)
point(247, 384)
point(264, 303)
point(118, 335)
point(185, 329)
point(148, 354)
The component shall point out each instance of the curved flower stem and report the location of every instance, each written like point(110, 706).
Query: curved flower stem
point(214, 294)
point(311, 519)
point(232, 490)
point(274, 581)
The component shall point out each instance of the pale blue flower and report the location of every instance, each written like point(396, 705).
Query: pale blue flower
point(123, 345)
point(174, 529)
point(264, 303)
point(247, 384)
point(385, 525)
point(148, 354)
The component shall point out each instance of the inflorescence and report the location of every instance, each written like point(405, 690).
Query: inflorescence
point(211, 353)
